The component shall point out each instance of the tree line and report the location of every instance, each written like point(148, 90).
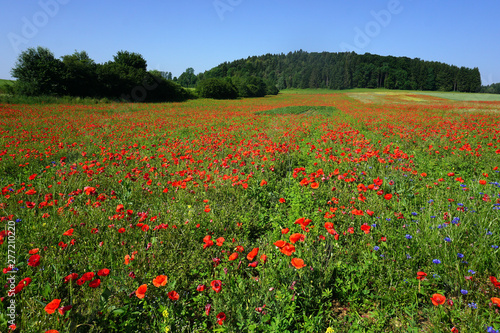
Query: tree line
point(346, 70)
point(39, 72)
point(493, 88)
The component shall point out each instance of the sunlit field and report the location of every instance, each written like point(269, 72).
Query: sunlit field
point(311, 212)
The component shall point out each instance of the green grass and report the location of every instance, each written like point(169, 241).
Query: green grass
point(460, 96)
point(4, 84)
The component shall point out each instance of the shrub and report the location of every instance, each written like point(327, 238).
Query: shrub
point(217, 89)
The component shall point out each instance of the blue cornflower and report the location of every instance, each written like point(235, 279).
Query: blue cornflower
point(433, 217)
point(464, 292)
point(387, 219)
point(430, 201)
point(408, 236)
point(489, 233)
point(376, 248)
point(414, 214)
point(472, 272)
point(447, 239)
point(460, 255)
point(490, 329)
point(374, 225)
point(495, 246)
point(436, 261)
point(472, 305)
point(408, 256)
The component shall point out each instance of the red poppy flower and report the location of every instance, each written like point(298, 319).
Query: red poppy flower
point(33, 251)
point(94, 284)
point(216, 285)
point(495, 301)
point(294, 238)
point(160, 281)
point(263, 258)
point(201, 287)
point(141, 291)
point(220, 241)
point(52, 331)
point(240, 248)
point(388, 196)
point(68, 232)
point(103, 272)
point(34, 260)
point(494, 281)
point(298, 263)
point(233, 256)
point(221, 316)
point(208, 307)
point(173, 295)
point(119, 208)
point(62, 310)
point(70, 277)
point(438, 299)
point(280, 243)
point(285, 231)
point(252, 254)
point(88, 276)
point(253, 264)
point(366, 228)
point(314, 185)
point(482, 182)
point(282, 200)
point(52, 306)
point(288, 249)
point(421, 275)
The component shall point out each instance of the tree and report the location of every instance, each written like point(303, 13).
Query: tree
point(188, 79)
point(38, 72)
point(80, 74)
point(130, 59)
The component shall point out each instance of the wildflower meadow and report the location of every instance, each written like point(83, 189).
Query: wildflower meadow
point(301, 212)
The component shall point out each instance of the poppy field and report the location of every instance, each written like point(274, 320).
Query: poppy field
point(310, 212)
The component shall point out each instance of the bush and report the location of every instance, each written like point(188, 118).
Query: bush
point(217, 89)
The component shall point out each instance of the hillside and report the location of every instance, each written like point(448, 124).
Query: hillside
point(4, 84)
point(347, 70)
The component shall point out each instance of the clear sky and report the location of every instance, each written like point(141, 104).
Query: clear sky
point(173, 35)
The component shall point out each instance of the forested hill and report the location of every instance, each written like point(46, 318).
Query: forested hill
point(346, 70)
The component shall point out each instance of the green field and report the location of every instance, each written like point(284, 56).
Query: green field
point(459, 96)
point(361, 211)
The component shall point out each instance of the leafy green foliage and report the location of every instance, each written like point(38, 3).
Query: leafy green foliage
point(217, 89)
point(38, 72)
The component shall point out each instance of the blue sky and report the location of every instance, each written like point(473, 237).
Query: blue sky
point(174, 35)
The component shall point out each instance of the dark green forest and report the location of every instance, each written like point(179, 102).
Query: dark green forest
point(348, 70)
point(40, 73)
point(126, 78)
